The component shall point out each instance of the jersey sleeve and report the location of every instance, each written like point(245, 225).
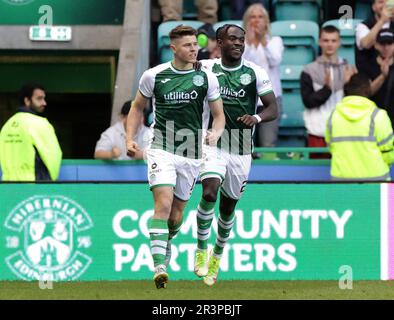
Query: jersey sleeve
point(207, 64)
point(263, 82)
point(146, 84)
point(213, 87)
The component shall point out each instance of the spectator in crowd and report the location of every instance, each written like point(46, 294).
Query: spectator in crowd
point(112, 143)
point(206, 37)
point(173, 9)
point(238, 7)
point(322, 84)
point(367, 31)
point(359, 135)
point(380, 70)
point(29, 148)
point(266, 52)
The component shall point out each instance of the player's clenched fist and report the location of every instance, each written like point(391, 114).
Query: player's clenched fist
point(132, 147)
point(248, 120)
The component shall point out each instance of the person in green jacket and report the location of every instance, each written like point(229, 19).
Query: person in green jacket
point(360, 136)
point(29, 149)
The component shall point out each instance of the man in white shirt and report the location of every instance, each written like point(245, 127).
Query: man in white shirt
point(112, 143)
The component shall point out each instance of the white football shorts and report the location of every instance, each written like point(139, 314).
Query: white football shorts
point(167, 169)
point(232, 170)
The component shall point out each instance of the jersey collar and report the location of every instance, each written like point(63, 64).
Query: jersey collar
point(180, 71)
point(233, 68)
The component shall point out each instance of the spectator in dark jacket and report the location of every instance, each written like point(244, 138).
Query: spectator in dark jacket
point(380, 71)
point(367, 31)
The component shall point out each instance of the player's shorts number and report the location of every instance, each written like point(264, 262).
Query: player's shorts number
point(193, 185)
point(243, 186)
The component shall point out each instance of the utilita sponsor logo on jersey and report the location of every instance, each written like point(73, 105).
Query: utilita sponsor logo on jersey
point(224, 91)
point(181, 96)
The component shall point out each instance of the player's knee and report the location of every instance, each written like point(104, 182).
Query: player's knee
point(163, 208)
point(209, 195)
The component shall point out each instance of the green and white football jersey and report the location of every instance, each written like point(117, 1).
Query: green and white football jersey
point(240, 87)
point(179, 100)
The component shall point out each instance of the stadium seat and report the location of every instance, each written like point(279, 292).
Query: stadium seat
point(296, 10)
point(300, 40)
point(217, 25)
point(291, 138)
point(292, 102)
point(163, 40)
point(290, 76)
point(348, 53)
point(347, 32)
point(293, 108)
point(291, 126)
point(165, 54)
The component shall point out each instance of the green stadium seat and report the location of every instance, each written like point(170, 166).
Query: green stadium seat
point(291, 138)
point(296, 32)
point(298, 55)
point(217, 25)
point(163, 40)
point(293, 108)
point(300, 39)
point(290, 76)
point(296, 10)
point(291, 126)
point(348, 53)
point(165, 54)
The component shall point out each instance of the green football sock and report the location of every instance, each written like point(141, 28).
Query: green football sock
point(204, 220)
point(225, 224)
point(158, 232)
point(174, 229)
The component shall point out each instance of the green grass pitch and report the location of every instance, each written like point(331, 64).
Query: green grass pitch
point(197, 290)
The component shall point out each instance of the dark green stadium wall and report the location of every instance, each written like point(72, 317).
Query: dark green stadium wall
point(79, 87)
point(65, 12)
point(96, 73)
